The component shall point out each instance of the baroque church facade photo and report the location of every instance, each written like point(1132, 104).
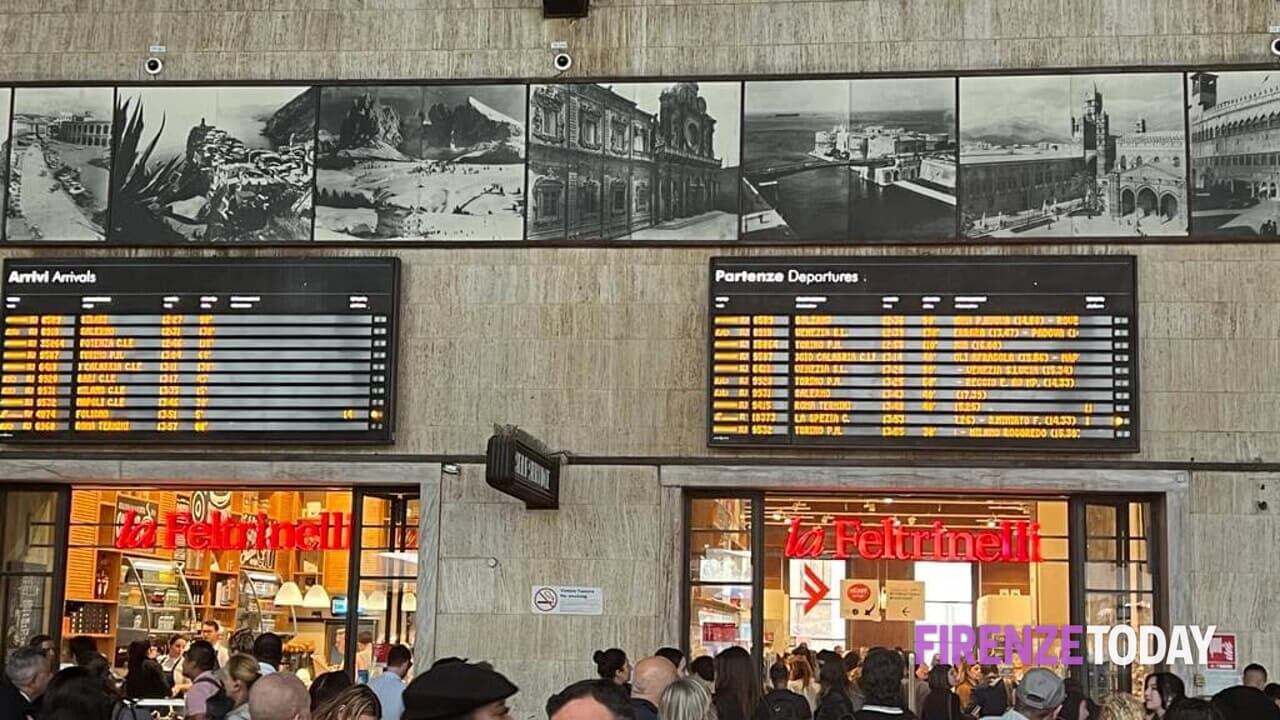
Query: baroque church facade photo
point(601, 166)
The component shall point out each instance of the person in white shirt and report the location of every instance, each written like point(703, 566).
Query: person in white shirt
point(389, 686)
point(211, 631)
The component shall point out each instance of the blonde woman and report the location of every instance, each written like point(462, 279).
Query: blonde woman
point(357, 702)
point(1122, 706)
point(237, 676)
point(686, 699)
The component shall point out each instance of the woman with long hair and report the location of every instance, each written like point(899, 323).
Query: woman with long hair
point(941, 703)
point(237, 676)
point(612, 665)
point(1122, 706)
point(687, 699)
point(146, 677)
point(1160, 691)
point(357, 702)
point(881, 682)
point(326, 687)
point(804, 679)
point(739, 691)
point(836, 701)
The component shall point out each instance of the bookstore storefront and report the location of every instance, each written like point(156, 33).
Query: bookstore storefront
point(769, 570)
point(331, 570)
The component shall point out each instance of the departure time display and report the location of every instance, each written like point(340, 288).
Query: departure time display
point(965, 352)
point(197, 350)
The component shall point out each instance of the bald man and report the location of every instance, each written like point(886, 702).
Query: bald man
point(279, 696)
point(649, 679)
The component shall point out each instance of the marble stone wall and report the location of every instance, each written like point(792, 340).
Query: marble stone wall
point(493, 551)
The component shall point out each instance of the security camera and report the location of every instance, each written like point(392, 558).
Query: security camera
point(1275, 46)
point(153, 65)
point(562, 62)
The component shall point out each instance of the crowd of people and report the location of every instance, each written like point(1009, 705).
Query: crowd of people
point(246, 683)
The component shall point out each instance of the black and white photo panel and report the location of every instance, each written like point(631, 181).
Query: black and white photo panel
point(1235, 153)
point(1073, 156)
point(634, 161)
point(900, 143)
point(59, 158)
point(796, 165)
point(415, 163)
point(213, 165)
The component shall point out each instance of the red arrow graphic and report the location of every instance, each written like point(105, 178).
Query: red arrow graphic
point(814, 588)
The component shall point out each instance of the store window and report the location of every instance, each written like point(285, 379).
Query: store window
point(27, 526)
point(721, 597)
point(145, 564)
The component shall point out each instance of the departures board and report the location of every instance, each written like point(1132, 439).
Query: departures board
point(920, 352)
point(199, 350)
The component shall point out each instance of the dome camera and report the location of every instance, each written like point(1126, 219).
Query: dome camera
point(153, 65)
point(563, 61)
point(1275, 46)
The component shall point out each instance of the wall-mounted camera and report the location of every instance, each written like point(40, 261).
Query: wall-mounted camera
point(561, 62)
point(153, 65)
point(1275, 46)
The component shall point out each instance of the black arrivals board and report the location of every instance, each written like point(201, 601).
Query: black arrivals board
point(199, 351)
point(948, 353)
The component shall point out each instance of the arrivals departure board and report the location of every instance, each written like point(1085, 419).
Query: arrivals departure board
point(199, 350)
point(949, 353)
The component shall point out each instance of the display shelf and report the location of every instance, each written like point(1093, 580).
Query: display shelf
point(96, 601)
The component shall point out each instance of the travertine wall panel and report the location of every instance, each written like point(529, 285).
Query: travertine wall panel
point(493, 551)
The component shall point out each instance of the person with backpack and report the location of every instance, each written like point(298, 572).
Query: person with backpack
point(783, 703)
point(202, 666)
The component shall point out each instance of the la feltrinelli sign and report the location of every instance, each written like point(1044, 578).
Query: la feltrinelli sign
point(1010, 541)
point(328, 531)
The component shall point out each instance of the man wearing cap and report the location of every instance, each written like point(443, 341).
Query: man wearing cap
point(458, 691)
point(1039, 696)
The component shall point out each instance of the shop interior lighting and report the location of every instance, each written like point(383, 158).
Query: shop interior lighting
point(317, 597)
point(377, 601)
point(288, 595)
point(409, 557)
point(409, 603)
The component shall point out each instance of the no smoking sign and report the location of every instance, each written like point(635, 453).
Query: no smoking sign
point(566, 600)
point(545, 600)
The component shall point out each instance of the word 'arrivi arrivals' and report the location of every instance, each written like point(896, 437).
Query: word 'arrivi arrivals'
point(328, 531)
point(1009, 542)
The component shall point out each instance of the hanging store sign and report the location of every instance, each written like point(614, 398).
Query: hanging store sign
point(889, 540)
point(329, 531)
point(860, 599)
point(514, 466)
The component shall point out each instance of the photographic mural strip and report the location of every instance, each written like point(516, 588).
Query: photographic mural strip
point(839, 160)
point(403, 162)
point(1235, 153)
point(1073, 156)
point(60, 157)
point(634, 161)
point(213, 164)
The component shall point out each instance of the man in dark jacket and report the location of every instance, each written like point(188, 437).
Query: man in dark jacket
point(649, 680)
point(784, 704)
point(27, 674)
point(1244, 702)
point(989, 698)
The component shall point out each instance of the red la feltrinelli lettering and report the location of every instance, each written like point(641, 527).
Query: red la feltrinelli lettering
point(329, 531)
point(1010, 542)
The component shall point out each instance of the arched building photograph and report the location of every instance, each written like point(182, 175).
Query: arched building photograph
point(638, 161)
point(1072, 155)
point(1235, 152)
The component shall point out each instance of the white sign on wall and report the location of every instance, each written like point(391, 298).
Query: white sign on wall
point(558, 600)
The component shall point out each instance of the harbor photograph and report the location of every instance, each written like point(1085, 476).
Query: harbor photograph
point(404, 162)
point(60, 161)
point(1073, 156)
point(850, 160)
point(223, 164)
point(1235, 153)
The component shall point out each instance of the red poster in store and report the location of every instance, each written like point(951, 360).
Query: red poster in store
point(719, 632)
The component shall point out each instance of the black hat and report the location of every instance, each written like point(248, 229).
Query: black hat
point(454, 688)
